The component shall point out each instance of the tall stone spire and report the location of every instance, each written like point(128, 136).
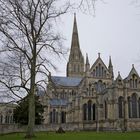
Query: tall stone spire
point(110, 68)
point(75, 65)
point(75, 39)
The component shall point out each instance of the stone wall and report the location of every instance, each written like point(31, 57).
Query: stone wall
point(103, 126)
point(11, 128)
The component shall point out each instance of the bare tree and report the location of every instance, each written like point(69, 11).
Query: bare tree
point(88, 6)
point(28, 39)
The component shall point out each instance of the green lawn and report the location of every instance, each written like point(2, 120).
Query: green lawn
point(76, 136)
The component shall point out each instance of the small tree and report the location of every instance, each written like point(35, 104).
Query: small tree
point(21, 113)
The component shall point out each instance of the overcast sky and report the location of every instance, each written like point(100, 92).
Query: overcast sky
point(114, 31)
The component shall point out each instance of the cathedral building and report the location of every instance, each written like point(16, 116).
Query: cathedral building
point(89, 97)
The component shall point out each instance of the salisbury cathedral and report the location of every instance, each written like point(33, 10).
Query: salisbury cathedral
point(89, 97)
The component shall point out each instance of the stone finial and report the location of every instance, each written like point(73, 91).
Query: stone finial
point(87, 60)
point(99, 54)
point(118, 72)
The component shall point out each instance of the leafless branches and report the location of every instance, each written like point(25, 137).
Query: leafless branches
point(27, 37)
point(26, 25)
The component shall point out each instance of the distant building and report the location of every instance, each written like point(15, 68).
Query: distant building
point(7, 106)
point(89, 98)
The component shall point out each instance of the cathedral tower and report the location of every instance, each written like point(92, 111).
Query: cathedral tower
point(75, 65)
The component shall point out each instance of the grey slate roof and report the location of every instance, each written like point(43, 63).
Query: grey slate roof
point(66, 81)
point(58, 102)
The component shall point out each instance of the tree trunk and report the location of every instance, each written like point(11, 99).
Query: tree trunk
point(31, 117)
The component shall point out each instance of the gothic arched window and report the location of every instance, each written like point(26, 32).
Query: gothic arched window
point(139, 107)
point(134, 106)
point(105, 73)
point(6, 119)
point(106, 110)
point(1, 119)
point(94, 113)
point(136, 83)
point(121, 106)
point(129, 107)
point(93, 72)
point(56, 117)
point(85, 112)
point(100, 70)
point(97, 71)
point(89, 110)
point(11, 119)
point(53, 116)
point(63, 117)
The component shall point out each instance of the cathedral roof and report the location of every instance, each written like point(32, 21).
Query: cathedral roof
point(66, 81)
point(58, 102)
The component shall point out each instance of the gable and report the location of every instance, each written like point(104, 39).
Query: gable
point(132, 73)
point(99, 69)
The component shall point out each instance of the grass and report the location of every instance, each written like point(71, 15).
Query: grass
point(76, 136)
